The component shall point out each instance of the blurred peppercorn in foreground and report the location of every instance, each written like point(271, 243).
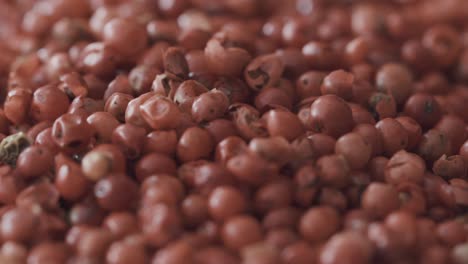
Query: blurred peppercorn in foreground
point(234, 131)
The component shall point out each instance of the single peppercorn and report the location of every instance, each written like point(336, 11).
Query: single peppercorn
point(331, 115)
point(12, 146)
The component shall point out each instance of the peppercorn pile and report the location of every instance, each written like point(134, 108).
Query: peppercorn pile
point(233, 132)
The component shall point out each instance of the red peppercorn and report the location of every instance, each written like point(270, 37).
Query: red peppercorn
point(423, 108)
point(299, 253)
point(382, 105)
point(49, 251)
point(187, 92)
point(240, 231)
point(102, 160)
point(117, 32)
point(320, 55)
point(235, 89)
point(403, 167)
point(164, 142)
point(175, 63)
point(103, 123)
point(132, 113)
point(34, 161)
point(273, 195)
point(453, 127)
point(131, 249)
point(272, 97)
point(339, 83)
point(331, 115)
point(334, 170)
point(18, 224)
point(85, 106)
point(275, 149)
point(116, 105)
point(160, 224)
point(372, 136)
point(220, 197)
point(69, 179)
point(17, 105)
point(361, 115)
point(308, 84)
point(225, 60)
point(160, 113)
point(394, 135)
point(71, 132)
point(263, 71)
point(450, 167)
point(194, 144)
point(94, 243)
point(451, 233)
point(48, 103)
point(195, 210)
point(141, 78)
point(247, 121)
point(121, 224)
point(221, 129)
point(318, 224)
point(154, 163)
point(251, 168)
point(355, 148)
point(283, 123)
point(209, 106)
point(120, 84)
point(229, 147)
point(97, 59)
point(395, 79)
point(347, 247)
point(380, 199)
point(433, 145)
point(129, 139)
point(116, 192)
point(443, 43)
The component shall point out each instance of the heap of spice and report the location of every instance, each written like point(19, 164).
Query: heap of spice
point(233, 131)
